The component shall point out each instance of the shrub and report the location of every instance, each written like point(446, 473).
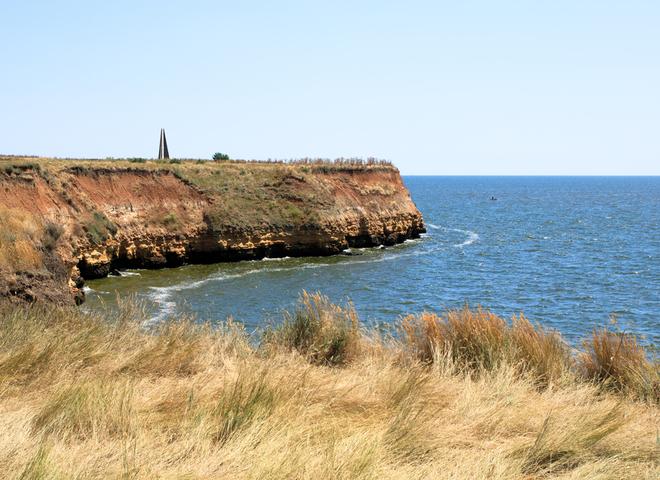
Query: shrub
point(325, 333)
point(217, 156)
point(99, 228)
point(11, 170)
point(18, 168)
point(170, 220)
point(52, 234)
point(137, 160)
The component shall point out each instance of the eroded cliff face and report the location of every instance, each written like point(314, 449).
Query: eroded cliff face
point(87, 218)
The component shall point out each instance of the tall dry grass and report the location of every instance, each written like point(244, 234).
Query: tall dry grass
point(476, 340)
point(20, 233)
point(107, 396)
point(325, 333)
point(616, 361)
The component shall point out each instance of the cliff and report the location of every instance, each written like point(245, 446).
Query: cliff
point(63, 221)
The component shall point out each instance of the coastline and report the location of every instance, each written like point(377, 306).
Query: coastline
point(97, 216)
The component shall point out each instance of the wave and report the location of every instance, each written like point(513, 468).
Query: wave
point(472, 237)
point(166, 307)
point(275, 259)
point(129, 274)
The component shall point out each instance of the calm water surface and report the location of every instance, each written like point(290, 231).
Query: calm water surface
point(569, 252)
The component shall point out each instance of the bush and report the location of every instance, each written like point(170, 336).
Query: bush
point(217, 156)
point(325, 333)
point(52, 234)
point(99, 228)
point(18, 168)
point(170, 220)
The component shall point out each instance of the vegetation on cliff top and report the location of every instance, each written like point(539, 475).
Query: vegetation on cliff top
point(462, 395)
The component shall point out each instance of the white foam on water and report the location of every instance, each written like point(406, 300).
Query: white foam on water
point(87, 290)
point(161, 297)
point(276, 259)
point(129, 274)
point(471, 238)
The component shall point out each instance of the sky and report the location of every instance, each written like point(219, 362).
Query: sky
point(438, 87)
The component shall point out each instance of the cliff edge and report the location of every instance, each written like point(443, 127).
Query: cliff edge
point(64, 221)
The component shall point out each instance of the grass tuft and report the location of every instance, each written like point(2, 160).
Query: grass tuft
point(87, 409)
point(325, 333)
point(478, 340)
point(559, 447)
point(248, 398)
point(616, 361)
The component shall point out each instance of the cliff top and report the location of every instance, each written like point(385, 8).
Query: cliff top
point(313, 164)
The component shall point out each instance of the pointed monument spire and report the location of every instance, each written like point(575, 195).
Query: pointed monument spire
point(163, 153)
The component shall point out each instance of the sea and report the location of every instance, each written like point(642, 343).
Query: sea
point(571, 253)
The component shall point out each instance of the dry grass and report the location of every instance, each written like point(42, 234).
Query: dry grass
point(616, 361)
point(20, 235)
point(102, 396)
point(326, 334)
point(478, 340)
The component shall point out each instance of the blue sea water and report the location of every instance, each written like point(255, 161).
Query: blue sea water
point(569, 252)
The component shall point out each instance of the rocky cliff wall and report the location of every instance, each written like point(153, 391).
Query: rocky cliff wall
point(82, 219)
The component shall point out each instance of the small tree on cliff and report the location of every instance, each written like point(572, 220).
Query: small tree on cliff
point(217, 156)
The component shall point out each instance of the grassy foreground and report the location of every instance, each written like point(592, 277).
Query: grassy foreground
point(464, 395)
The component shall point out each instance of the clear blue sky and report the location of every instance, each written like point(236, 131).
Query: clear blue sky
point(444, 87)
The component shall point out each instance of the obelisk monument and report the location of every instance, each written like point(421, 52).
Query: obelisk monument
point(163, 153)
